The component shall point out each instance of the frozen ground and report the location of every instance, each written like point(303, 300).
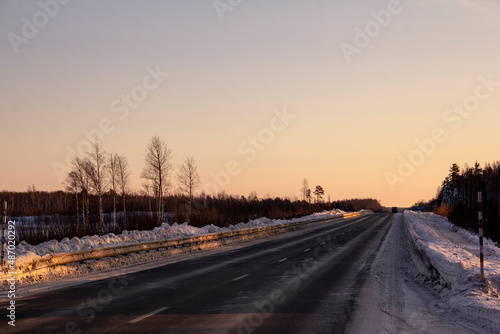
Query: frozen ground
point(26, 253)
point(400, 296)
point(455, 255)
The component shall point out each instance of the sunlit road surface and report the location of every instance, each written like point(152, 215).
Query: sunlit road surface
point(305, 281)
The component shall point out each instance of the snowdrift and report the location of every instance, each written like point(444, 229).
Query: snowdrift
point(26, 253)
point(455, 256)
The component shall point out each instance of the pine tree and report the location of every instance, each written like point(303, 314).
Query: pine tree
point(319, 192)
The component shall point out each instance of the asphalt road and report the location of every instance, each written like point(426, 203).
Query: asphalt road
point(306, 281)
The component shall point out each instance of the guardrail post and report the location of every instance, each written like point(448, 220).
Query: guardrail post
point(4, 231)
point(480, 220)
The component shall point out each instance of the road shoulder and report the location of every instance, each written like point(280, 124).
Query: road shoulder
point(397, 299)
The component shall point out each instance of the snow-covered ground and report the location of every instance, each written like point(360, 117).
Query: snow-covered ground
point(455, 255)
point(399, 297)
point(26, 253)
point(29, 221)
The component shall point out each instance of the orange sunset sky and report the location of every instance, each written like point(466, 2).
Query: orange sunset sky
point(365, 98)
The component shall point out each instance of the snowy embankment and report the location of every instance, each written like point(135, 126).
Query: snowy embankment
point(26, 253)
point(455, 257)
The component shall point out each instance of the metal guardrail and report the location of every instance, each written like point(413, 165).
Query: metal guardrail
point(52, 260)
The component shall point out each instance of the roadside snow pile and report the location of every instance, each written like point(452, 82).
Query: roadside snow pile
point(329, 213)
point(455, 255)
point(26, 253)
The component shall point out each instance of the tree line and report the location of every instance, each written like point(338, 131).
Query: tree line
point(54, 213)
point(98, 198)
point(98, 173)
point(457, 198)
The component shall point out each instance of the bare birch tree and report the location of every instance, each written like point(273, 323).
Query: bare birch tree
point(123, 180)
point(303, 189)
point(95, 168)
point(157, 170)
point(113, 181)
point(78, 181)
point(72, 186)
point(189, 179)
point(146, 190)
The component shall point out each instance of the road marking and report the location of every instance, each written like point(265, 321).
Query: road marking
point(238, 278)
point(148, 315)
point(283, 259)
point(307, 250)
point(324, 242)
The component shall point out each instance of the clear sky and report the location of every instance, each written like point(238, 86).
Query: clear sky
point(335, 91)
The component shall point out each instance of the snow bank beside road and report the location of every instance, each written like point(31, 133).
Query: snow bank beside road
point(27, 253)
point(455, 255)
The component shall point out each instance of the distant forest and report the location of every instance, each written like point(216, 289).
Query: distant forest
point(60, 214)
point(457, 198)
point(98, 200)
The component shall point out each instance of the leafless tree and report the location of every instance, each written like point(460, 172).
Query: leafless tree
point(189, 179)
point(95, 168)
point(123, 180)
point(113, 180)
point(157, 170)
point(73, 186)
point(146, 190)
point(77, 181)
point(303, 189)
